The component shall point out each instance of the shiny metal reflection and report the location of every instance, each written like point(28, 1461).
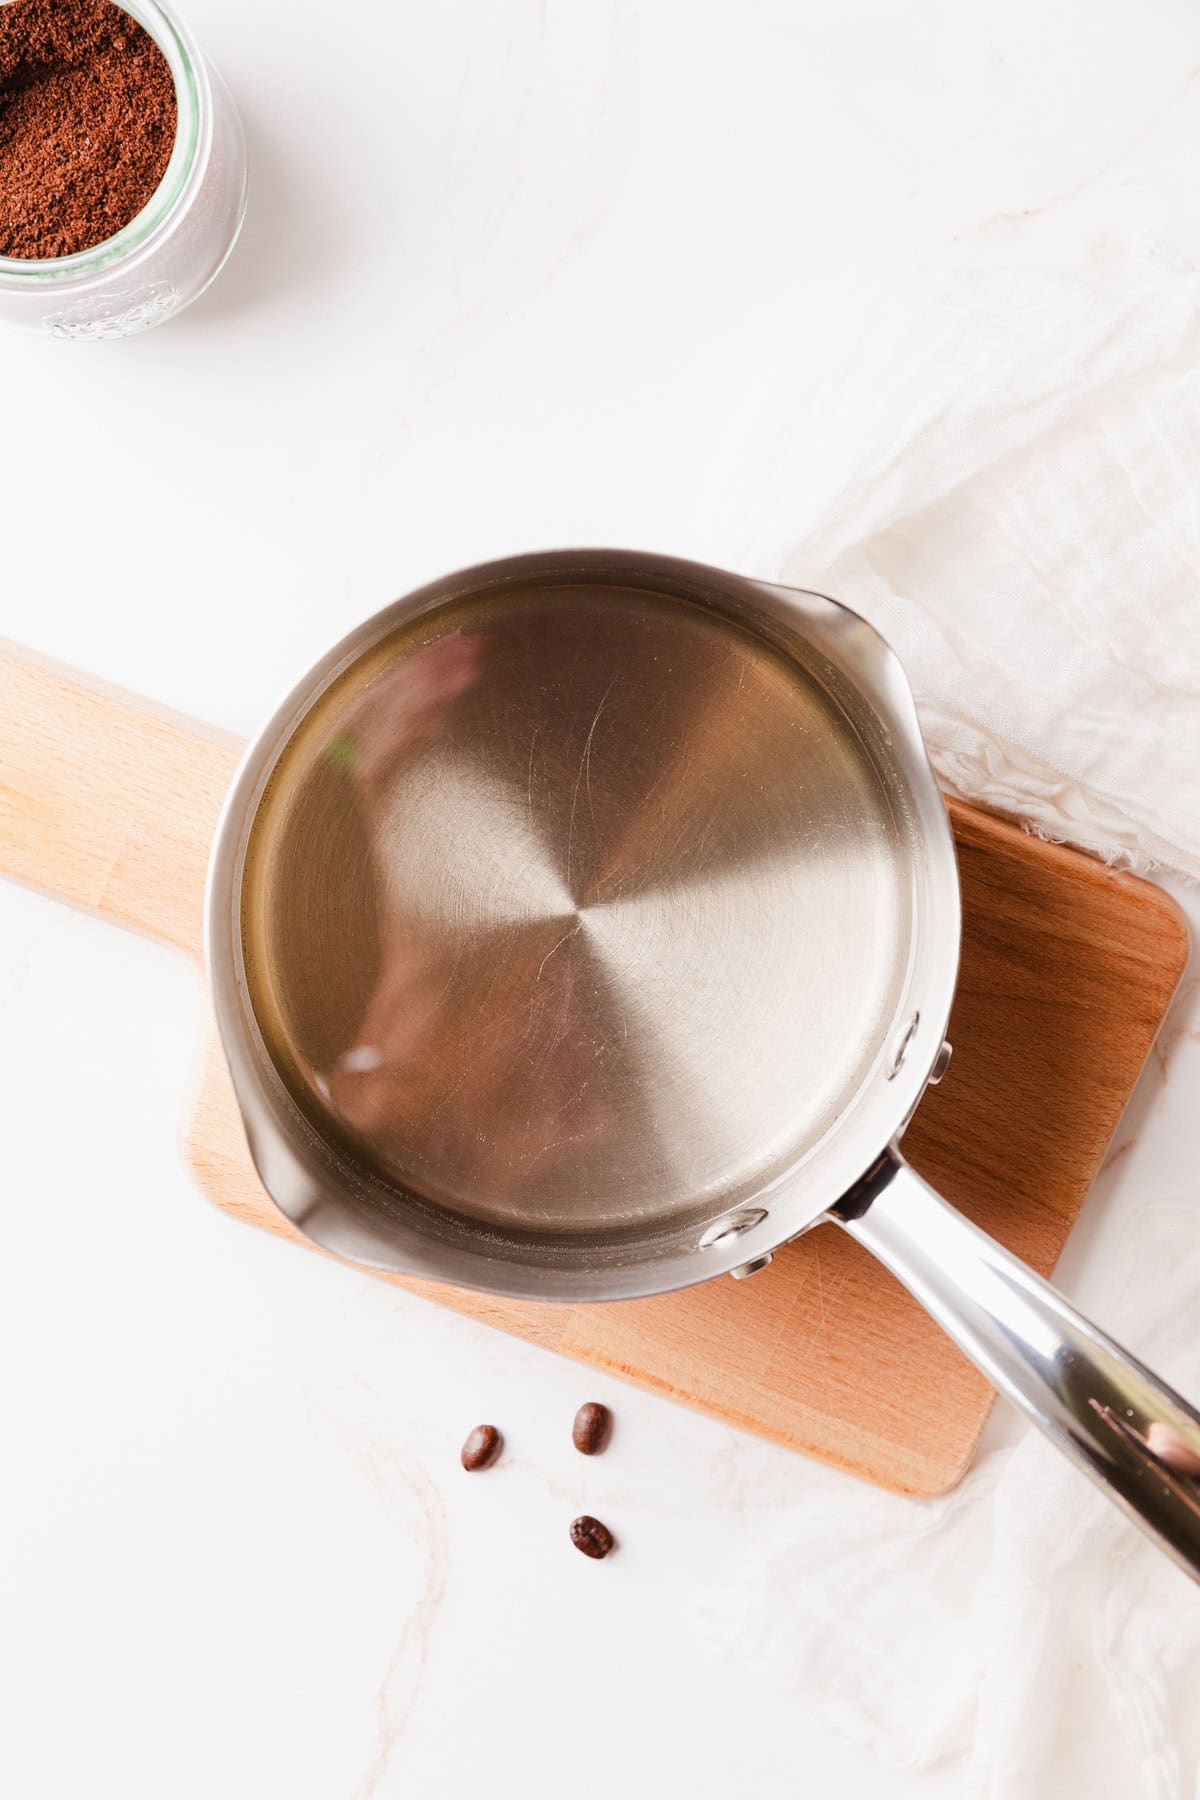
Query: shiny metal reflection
point(580, 911)
point(578, 900)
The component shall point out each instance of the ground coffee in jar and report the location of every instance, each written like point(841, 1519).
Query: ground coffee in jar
point(87, 123)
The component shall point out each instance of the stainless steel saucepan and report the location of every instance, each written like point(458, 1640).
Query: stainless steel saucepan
point(586, 925)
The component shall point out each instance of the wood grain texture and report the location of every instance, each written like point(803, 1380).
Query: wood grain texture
point(1067, 972)
point(107, 800)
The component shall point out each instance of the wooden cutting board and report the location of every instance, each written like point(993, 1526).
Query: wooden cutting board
point(1067, 973)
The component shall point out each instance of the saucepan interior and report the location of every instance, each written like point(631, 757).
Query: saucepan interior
point(582, 926)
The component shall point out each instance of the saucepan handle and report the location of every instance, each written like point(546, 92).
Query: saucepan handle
point(107, 800)
point(1126, 1429)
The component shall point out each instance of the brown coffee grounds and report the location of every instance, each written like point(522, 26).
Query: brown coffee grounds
point(87, 122)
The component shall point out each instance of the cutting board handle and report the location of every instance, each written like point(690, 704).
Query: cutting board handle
point(107, 800)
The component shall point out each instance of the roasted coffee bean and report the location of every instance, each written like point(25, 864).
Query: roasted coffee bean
point(590, 1536)
point(482, 1447)
point(589, 1434)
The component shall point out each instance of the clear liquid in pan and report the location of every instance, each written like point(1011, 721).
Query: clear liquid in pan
point(575, 908)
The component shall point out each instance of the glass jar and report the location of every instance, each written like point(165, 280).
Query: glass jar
point(172, 249)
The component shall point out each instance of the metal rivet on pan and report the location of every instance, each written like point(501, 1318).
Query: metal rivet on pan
point(751, 1268)
point(732, 1226)
point(901, 1047)
point(941, 1062)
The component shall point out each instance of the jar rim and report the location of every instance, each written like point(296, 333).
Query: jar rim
point(193, 122)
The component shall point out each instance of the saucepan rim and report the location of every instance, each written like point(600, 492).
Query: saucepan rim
point(351, 1211)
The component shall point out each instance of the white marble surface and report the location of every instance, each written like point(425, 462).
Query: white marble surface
point(514, 275)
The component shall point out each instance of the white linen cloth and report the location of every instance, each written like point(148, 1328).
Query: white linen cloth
point(1022, 521)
